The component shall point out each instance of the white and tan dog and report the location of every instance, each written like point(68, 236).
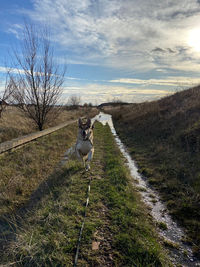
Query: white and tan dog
point(84, 148)
point(84, 144)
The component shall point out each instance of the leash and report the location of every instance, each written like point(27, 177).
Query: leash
point(82, 226)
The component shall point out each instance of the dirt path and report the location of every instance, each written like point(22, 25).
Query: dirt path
point(99, 250)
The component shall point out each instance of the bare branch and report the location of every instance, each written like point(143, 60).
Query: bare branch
point(38, 83)
point(5, 94)
point(74, 101)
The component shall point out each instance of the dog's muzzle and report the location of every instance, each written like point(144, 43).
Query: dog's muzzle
point(84, 135)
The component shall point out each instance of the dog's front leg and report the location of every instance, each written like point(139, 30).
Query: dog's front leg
point(80, 157)
point(78, 154)
point(90, 156)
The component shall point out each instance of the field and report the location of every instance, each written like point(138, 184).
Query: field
point(14, 124)
point(42, 207)
point(163, 137)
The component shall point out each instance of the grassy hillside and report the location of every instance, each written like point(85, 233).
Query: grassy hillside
point(164, 138)
point(117, 223)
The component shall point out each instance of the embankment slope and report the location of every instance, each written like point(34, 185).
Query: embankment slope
point(164, 138)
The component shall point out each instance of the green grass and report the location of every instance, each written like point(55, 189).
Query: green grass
point(167, 171)
point(47, 234)
point(133, 239)
point(162, 225)
point(163, 138)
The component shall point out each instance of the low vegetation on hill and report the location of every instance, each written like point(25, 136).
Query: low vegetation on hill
point(164, 138)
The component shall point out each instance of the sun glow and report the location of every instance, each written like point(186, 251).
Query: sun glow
point(194, 39)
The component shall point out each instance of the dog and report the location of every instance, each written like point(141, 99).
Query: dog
point(84, 144)
point(84, 147)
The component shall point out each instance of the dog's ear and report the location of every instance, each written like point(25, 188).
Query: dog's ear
point(80, 123)
point(88, 122)
point(93, 125)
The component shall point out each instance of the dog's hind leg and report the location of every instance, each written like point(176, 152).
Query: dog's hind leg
point(69, 153)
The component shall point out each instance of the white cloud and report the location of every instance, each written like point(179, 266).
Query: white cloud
point(15, 29)
point(128, 35)
point(169, 81)
point(89, 93)
point(13, 70)
point(122, 33)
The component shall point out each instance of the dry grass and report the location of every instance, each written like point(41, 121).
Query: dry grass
point(116, 217)
point(164, 137)
point(25, 168)
point(14, 123)
point(187, 101)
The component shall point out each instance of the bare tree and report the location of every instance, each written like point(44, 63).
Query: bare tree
point(5, 95)
point(74, 101)
point(116, 100)
point(37, 85)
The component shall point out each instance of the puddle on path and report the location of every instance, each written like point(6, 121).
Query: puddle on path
point(158, 210)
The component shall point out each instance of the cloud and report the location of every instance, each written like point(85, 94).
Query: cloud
point(161, 50)
point(13, 70)
point(89, 92)
point(120, 33)
point(15, 29)
point(158, 49)
point(131, 37)
point(169, 81)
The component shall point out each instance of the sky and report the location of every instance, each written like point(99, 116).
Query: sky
point(128, 50)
